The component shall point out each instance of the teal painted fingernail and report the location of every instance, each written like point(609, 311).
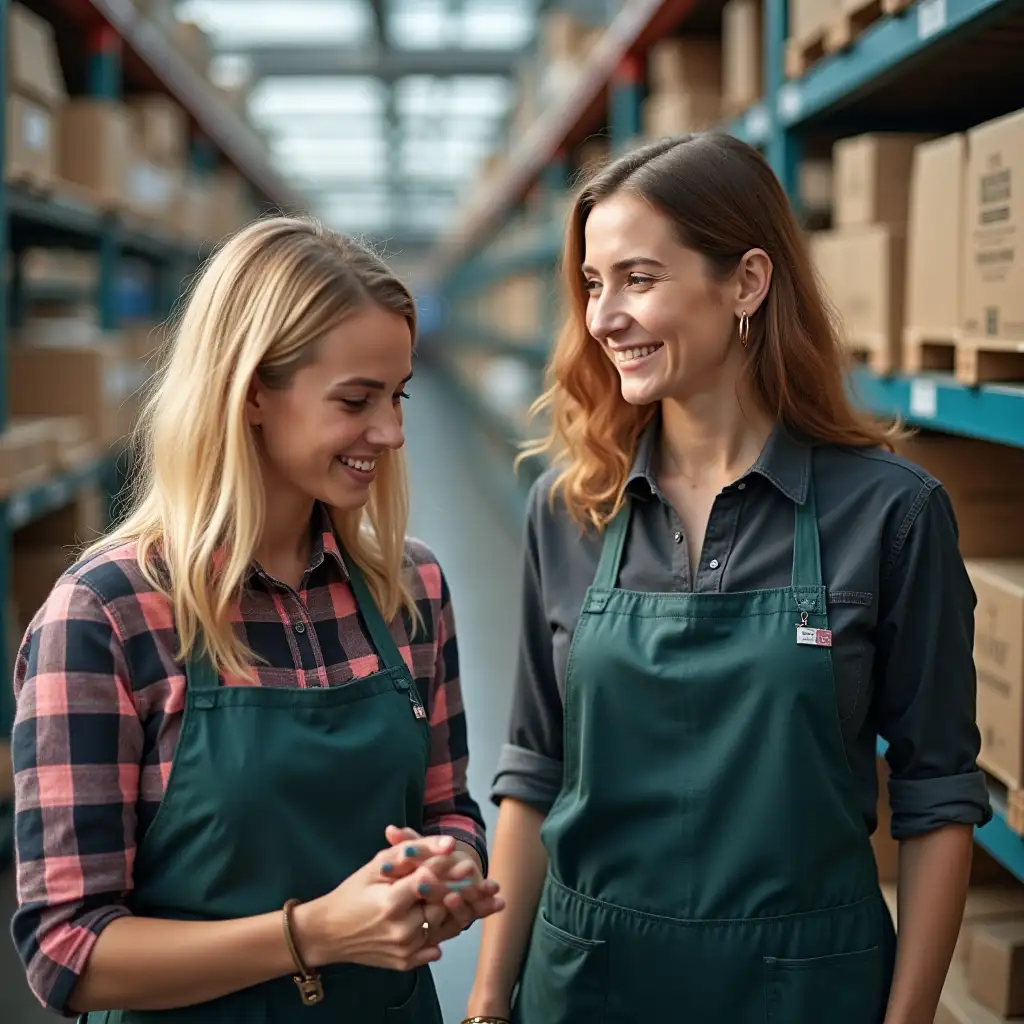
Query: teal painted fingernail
point(457, 886)
point(385, 869)
point(424, 889)
point(411, 851)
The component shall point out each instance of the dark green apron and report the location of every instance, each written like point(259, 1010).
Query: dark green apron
point(280, 793)
point(708, 860)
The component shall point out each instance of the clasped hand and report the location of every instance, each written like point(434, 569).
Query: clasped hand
point(454, 891)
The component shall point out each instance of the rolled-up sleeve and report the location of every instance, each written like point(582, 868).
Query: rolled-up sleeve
point(530, 764)
point(926, 680)
point(76, 747)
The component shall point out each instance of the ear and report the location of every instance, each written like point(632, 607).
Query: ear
point(254, 403)
point(753, 277)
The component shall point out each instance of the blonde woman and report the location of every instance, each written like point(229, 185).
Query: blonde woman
point(240, 745)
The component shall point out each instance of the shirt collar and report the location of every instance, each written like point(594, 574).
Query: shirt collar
point(785, 461)
point(325, 544)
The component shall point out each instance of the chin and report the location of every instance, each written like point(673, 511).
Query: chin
point(640, 392)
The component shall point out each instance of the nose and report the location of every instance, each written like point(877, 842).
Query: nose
point(385, 430)
point(606, 315)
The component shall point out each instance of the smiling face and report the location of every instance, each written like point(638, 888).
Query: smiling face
point(321, 436)
point(667, 326)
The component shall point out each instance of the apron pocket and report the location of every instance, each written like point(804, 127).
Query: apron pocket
point(421, 1007)
point(564, 979)
point(845, 988)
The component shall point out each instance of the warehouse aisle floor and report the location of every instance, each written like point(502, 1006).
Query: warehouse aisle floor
point(480, 557)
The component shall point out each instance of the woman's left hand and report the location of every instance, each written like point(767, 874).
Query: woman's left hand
point(462, 895)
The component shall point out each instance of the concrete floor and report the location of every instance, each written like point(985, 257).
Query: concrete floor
point(479, 552)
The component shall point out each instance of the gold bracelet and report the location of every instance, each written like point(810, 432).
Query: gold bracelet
point(310, 986)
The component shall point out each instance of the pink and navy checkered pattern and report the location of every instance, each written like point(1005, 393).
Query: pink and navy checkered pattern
point(100, 701)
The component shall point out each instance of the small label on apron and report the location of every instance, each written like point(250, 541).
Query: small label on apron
point(808, 636)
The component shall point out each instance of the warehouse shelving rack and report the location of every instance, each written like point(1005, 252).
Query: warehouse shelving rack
point(888, 79)
point(121, 51)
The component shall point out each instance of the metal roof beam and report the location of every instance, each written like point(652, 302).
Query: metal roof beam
point(387, 65)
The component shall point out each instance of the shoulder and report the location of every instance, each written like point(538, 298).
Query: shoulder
point(426, 577)
point(106, 584)
point(547, 516)
point(881, 486)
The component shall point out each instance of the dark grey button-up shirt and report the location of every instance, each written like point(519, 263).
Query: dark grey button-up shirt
point(901, 608)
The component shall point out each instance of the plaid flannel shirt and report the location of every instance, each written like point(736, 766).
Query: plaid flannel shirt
point(100, 700)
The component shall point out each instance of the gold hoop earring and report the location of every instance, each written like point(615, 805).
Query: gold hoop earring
point(744, 328)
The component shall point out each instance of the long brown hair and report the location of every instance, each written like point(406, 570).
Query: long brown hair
point(723, 200)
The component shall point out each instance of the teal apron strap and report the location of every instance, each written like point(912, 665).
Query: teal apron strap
point(199, 671)
point(387, 649)
point(807, 580)
point(611, 551)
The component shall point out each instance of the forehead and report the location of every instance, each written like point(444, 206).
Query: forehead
point(372, 342)
point(624, 226)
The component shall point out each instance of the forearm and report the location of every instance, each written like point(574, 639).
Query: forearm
point(933, 878)
point(154, 964)
point(518, 864)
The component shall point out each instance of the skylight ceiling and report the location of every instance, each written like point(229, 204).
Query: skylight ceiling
point(364, 102)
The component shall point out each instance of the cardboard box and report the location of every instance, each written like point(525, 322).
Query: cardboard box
point(26, 453)
point(95, 148)
point(33, 67)
point(30, 155)
point(935, 239)
point(999, 660)
point(816, 185)
point(741, 54)
point(95, 382)
point(985, 483)
point(667, 114)
point(862, 269)
point(78, 523)
point(807, 17)
point(995, 969)
point(160, 128)
point(994, 279)
point(872, 179)
point(685, 65)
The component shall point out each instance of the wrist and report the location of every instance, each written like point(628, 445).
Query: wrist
point(309, 932)
point(489, 1003)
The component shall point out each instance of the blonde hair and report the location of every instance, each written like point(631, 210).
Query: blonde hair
point(197, 511)
point(723, 200)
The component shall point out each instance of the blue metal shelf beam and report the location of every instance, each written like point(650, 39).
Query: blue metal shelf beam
point(890, 46)
point(990, 412)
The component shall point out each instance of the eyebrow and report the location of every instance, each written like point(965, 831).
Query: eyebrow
point(627, 264)
point(367, 382)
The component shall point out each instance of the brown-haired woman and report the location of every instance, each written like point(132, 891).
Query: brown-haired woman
point(731, 586)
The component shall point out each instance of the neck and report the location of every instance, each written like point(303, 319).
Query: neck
point(286, 542)
point(711, 438)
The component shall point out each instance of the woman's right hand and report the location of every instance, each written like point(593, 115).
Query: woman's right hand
point(370, 920)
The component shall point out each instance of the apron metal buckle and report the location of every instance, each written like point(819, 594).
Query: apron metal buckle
point(311, 989)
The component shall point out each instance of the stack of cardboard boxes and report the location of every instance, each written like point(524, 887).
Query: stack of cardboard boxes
point(862, 260)
point(684, 87)
point(128, 158)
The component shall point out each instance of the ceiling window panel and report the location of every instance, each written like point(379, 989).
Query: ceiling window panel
point(288, 96)
point(491, 25)
point(254, 23)
point(419, 24)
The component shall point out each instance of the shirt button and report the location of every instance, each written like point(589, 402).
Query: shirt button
point(713, 563)
point(741, 487)
point(300, 627)
point(678, 538)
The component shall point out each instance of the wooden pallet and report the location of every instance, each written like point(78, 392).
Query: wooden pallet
point(876, 353)
point(972, 361)
point(801, 54)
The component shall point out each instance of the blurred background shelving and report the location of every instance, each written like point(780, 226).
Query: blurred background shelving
point(451, 134)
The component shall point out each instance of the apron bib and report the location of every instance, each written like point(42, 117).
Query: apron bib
point(708, 860)
point(281, 793)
